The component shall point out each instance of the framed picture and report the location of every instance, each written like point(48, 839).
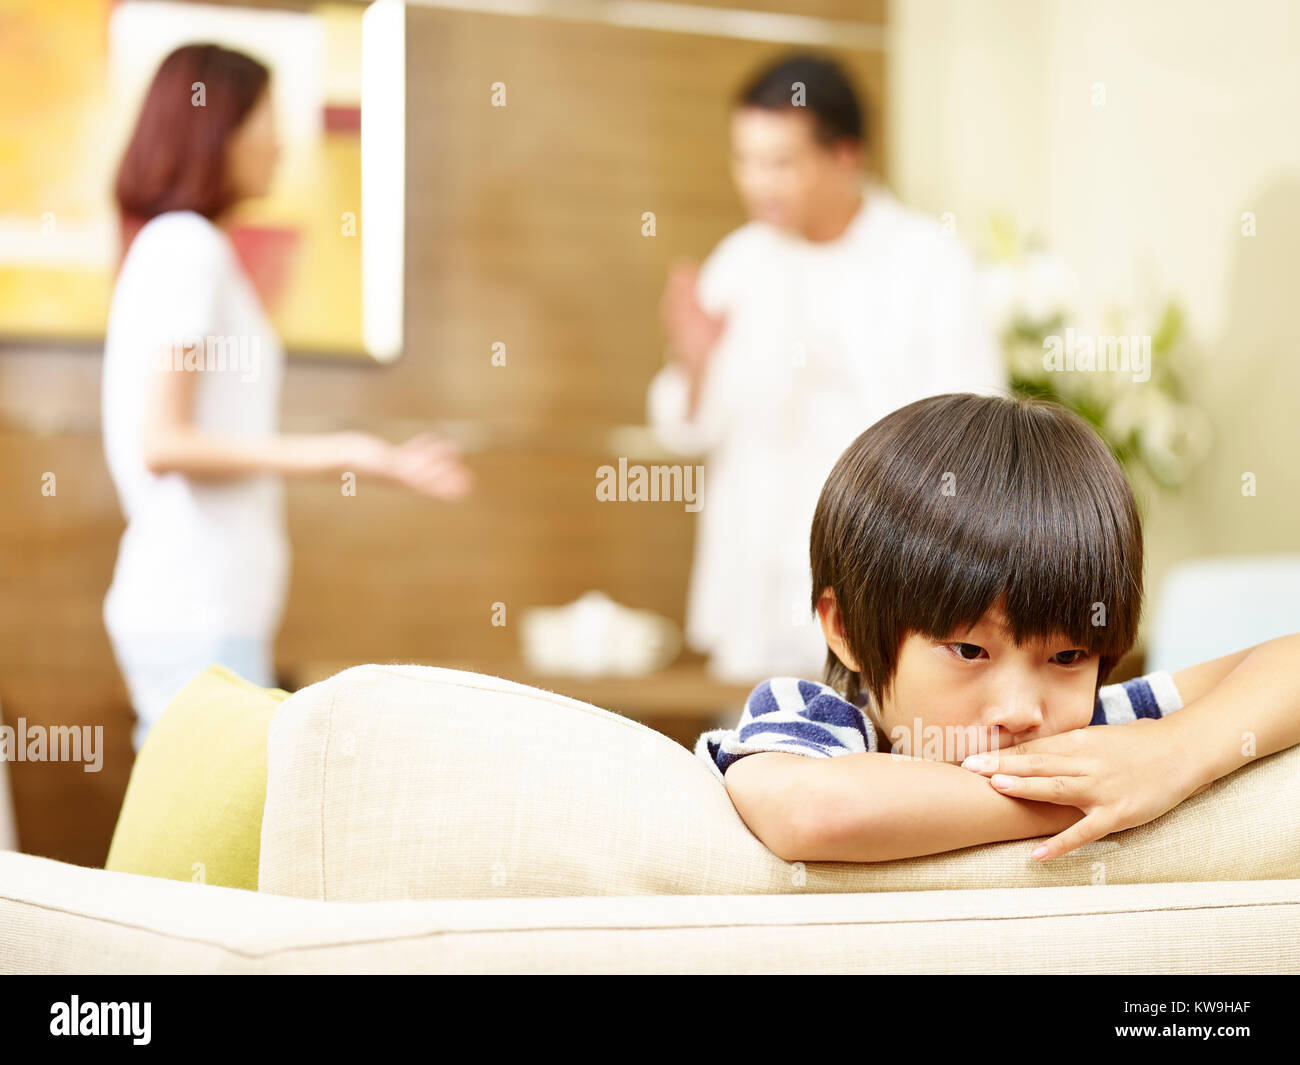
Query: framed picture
point(323, 248)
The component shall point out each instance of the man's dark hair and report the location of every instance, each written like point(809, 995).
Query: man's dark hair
point(827, 94)
point(943, 506)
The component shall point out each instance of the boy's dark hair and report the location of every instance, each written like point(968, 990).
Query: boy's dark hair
point(943, 505)
point(828, 96)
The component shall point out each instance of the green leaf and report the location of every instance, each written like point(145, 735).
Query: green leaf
point(1169, 329)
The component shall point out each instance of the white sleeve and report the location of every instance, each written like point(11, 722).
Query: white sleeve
point(666, 403)
point(669, 391)
point(1152, 695)
point(186, 267)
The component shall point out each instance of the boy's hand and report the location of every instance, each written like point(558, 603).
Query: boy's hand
point(1120, 776)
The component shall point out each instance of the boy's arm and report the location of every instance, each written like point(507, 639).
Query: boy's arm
point(1198, 680)
point(1237, 708)
point(874, 807)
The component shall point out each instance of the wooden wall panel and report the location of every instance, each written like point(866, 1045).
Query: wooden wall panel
point(380, 577)
point(873, 12)
point(526, 220)
point(56, 666)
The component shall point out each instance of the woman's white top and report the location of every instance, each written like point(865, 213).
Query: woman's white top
point(197, 556)
point(821, 340)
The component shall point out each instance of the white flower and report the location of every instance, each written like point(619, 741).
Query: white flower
point(1048, 288)
point(1176, 439)
point(998, 286)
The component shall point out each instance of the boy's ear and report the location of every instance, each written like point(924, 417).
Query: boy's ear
point(828, 613)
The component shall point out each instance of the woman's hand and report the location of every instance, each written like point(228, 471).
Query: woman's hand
point(1120, 776)
point(426, 463)
point(431, 465)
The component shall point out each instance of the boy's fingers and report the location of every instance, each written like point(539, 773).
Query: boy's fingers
point(1079, 833)
point(1065, 790)
point(1023, 765)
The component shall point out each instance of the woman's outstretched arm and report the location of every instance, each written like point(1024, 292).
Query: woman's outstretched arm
point(173, 443)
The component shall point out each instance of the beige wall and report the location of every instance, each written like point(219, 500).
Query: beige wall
point(990, 109)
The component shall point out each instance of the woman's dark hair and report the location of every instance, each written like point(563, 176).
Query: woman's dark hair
point(943, 506)
point(827, 94)
point(176, 157)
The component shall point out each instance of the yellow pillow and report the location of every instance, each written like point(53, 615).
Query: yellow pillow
point(193, 806)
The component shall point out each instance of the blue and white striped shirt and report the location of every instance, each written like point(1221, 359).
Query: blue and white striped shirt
point(808, 717)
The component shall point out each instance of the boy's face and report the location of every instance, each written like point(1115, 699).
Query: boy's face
point(978, 690)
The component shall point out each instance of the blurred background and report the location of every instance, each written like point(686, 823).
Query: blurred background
point(1106, 162)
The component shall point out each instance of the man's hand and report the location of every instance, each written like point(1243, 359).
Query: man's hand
point(692, 331)
point(1120, 776)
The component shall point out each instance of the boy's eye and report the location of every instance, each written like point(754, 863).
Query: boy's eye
point(969, 652)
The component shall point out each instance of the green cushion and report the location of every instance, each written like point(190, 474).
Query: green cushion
point(193, 806)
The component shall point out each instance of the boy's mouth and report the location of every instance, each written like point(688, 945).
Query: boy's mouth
point(1001, 738)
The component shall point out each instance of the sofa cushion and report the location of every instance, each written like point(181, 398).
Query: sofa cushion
point(193, 806)
point(412, 782)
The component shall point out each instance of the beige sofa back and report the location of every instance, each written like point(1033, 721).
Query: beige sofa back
point(412, 782)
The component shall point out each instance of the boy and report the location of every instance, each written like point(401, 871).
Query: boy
point(977, 573)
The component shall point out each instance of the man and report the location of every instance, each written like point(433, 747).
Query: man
point(831, 307)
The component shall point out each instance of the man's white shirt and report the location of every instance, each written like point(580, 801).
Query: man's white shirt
point(821, 340)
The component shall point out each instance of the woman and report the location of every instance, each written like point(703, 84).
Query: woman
point(191, 386)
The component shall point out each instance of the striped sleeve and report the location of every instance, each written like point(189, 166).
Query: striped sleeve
point(793, 716)
point(1152, 695)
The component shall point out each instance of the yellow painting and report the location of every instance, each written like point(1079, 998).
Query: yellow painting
point(72, 76)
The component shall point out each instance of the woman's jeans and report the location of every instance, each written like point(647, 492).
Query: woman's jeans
point(156, 669)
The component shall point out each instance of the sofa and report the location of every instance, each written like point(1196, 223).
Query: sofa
point(415, 819)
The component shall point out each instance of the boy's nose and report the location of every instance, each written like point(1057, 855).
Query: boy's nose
point(1020, 713)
